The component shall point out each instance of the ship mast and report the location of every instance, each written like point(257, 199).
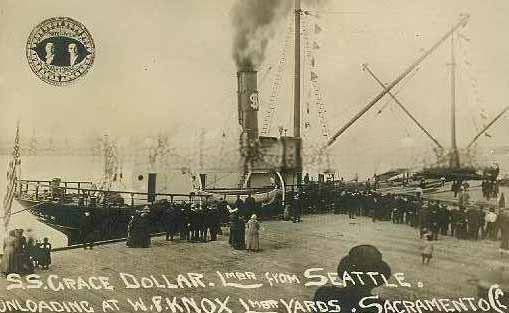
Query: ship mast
point(296, 88)
point(454, 161)
point(296, 92)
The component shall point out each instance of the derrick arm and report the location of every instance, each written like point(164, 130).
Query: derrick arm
point(487, 126)
point(366, 68)
point(388, 88)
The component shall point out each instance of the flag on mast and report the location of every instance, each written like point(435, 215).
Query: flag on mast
point(14, 164)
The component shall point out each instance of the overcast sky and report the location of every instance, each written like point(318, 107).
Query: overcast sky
point(166, 65)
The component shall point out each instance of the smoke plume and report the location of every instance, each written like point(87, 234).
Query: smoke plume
point(254, 23)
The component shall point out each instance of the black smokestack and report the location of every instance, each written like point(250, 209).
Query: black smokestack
point(254, 23)
point(248, 103)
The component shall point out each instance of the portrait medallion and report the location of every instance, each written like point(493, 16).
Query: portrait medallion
point(60, 50)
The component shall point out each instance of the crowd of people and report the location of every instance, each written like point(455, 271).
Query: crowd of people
point(490, 189)
point(202, 222)
point(197, 223)
point(22, 256)
point(459, 219)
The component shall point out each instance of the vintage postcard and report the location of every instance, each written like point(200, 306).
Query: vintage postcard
point(254, 156)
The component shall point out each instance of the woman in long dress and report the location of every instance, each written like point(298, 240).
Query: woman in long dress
point(253, 234)
point(235, 229)
point(9, 264)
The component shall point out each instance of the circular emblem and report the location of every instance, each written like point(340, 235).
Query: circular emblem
point(60, 50)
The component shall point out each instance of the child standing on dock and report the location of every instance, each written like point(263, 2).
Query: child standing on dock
point(427, 248)
point(45, 254)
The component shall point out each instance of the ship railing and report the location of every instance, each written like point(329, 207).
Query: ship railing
point(242, 191)
point(38, 190)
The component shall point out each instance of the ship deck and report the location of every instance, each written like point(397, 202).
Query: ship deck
point(320, 241)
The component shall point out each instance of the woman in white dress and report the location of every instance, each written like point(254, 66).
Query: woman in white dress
point(253, 234)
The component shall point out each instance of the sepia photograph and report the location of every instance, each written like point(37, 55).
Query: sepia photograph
point(254, 156)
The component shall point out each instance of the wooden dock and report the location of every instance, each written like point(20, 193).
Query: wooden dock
point(318, 242)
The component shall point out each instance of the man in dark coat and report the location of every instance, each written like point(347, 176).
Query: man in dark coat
point(236, 231)
point(351, 205)
point(195, 224)
point(434, 221)
point(296, 207)
point(444, 218)
point(474, 223)
point(88, 225)
point(454, 220)
point(241, 244)
point(213, 221)
point(461, 224)
point(482, 217)
point(249, 206)
point(223, 211)
point(185, 232)
point(239, 204)
point(145, 230)
point(203, 215)
point(170, 220)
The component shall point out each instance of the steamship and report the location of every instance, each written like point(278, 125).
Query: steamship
point(79, 209)
point(271, 166)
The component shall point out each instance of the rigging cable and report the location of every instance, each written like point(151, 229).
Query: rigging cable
point(268, 115)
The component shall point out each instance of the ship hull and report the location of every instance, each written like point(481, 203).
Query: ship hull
point(109, 222)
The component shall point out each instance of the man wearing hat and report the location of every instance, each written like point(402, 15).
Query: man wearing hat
point(474, 222)
point(296, 207)
point(363, 258)
point(461, 224)
point(444, 219)
point(464, 197)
